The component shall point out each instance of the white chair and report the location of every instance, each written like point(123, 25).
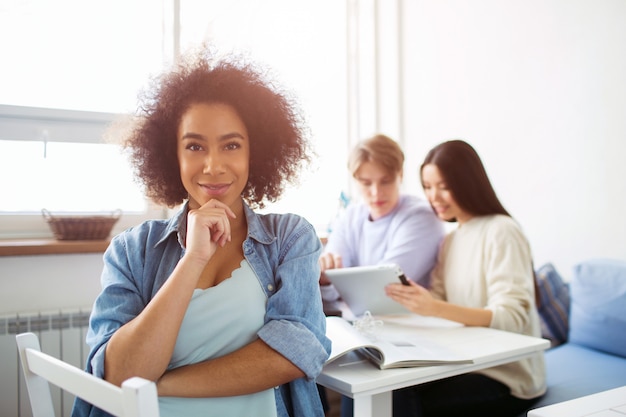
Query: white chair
point(136, 398)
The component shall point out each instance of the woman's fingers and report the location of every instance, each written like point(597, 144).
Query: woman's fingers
point(209, 226)
point(330, 261)
point(412, 296)
point(217, 216)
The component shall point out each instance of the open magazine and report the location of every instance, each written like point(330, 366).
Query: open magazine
point(386, 351)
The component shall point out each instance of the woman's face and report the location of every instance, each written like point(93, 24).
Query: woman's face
point(213, 154)
point(440, 197)
point(380, 189)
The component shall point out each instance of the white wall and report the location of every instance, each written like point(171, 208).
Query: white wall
point(29, 284)
point(539, 88)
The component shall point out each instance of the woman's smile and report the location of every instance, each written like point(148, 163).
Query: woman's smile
point(215, 190)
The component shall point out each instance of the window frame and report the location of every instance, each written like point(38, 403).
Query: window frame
point(23, 123)
point(53, 125)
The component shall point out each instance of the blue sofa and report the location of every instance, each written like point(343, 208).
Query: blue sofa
point(589, 314)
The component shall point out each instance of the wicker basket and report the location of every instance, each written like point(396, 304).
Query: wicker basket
point(81, 227)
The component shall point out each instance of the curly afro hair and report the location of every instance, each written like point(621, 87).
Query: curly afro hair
point(278, 144)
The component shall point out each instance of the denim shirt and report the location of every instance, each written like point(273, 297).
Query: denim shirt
point(282, 249)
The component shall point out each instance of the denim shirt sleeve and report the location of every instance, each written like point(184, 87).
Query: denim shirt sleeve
point(288, 266)
point(128, 283)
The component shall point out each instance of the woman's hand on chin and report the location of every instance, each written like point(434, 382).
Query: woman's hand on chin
point(207, 228)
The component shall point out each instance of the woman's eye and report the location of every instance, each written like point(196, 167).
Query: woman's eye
point(232, 146)
point(194, 147)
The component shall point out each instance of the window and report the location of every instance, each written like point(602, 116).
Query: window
point(46, 162)
point(86, 62)
point(79, 55)
point(42, 166)
point(70, 68)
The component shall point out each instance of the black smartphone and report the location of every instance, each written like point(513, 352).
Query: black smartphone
point(403, 279)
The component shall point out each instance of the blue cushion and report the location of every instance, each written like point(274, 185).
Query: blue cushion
point(554, 302)
point(574, 371)
point(598, 306)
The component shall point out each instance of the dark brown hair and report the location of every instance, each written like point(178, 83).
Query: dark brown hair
point(278, 144)
point(466, 178)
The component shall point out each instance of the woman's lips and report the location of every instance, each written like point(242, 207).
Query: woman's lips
point(439, 208)
point(215, 189)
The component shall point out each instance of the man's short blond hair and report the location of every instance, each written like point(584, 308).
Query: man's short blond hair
point(379, 149)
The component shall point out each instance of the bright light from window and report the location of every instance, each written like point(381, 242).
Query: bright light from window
point(66, 177)
point(72, 55)
point(76, 54)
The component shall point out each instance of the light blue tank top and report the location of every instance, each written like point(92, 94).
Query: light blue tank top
point(220, 320)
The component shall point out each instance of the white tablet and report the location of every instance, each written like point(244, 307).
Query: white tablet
point(362, 288)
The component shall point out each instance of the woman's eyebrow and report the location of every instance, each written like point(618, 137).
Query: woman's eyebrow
point(232, 135)
point(192, 135)
point(227, 136)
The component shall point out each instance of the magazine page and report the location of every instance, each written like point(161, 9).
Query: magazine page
point(343, 336)
point(403, 353)
point(387, 350)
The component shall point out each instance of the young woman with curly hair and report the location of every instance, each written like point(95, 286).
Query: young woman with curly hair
point(219, 305)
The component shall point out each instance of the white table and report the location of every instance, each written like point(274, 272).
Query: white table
point(371, 388)
point(603, 404)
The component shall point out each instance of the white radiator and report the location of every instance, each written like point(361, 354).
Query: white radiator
point(61, 334)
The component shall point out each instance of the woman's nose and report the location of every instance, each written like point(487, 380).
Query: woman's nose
point(212, 164)
point(432, 195)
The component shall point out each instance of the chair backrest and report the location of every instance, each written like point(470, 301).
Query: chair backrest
point(136, 398)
